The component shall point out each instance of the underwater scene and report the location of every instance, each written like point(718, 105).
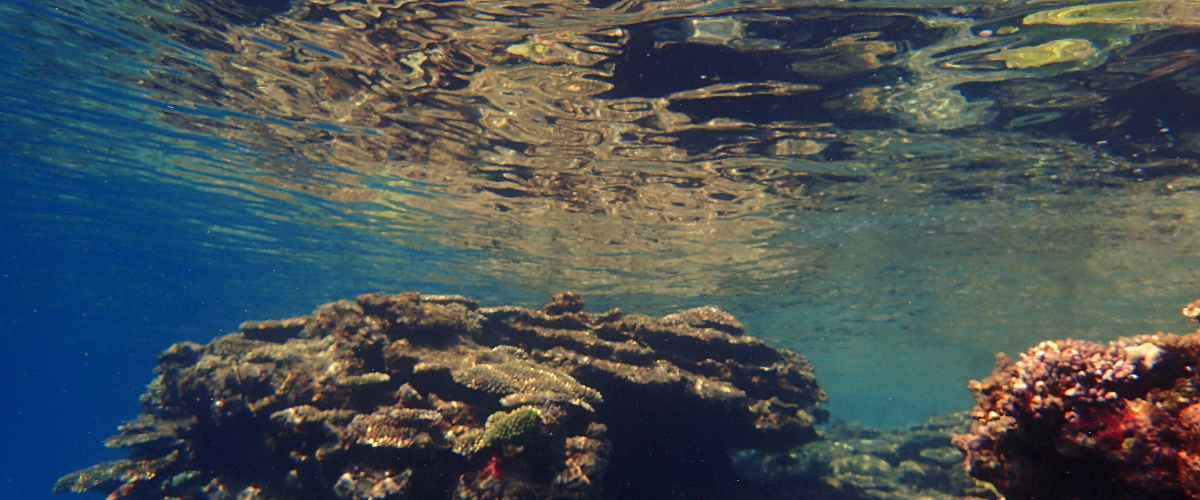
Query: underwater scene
point(600, 250)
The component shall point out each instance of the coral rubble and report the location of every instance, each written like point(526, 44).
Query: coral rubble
point(1079, 419)
point(854, 462)
point(411, 396)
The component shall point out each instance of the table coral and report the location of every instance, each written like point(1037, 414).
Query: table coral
point(1079, 419)
point(432, 396)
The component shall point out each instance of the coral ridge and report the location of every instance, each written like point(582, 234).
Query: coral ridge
point(405, 396)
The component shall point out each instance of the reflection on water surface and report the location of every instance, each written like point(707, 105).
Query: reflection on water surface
point(970, 176)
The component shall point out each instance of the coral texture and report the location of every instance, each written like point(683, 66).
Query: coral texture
point(1078, 419)
point(505, 426)
point(411, 396)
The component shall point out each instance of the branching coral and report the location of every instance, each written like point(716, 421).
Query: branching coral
point(505, 426)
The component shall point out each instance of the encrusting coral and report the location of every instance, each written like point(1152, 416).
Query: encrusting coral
point(1078, 419)
point(412, 396)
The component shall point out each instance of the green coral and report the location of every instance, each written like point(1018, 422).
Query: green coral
point(505, 426)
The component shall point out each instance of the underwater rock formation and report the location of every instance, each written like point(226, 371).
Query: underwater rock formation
point(411, 396)
point(1079, 419)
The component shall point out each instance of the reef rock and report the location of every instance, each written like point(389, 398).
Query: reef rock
point(411, 396)
point(1078, 419)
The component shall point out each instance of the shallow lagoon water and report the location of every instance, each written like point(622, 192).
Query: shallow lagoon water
point(139, 215)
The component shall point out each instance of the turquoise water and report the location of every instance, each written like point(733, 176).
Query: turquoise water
point(144, 208)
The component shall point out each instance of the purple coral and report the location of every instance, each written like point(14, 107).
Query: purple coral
point(1081, 371)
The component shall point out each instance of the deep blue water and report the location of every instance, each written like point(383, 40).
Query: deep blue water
point(91, 297)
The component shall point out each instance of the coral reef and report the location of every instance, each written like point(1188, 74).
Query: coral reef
point(411, 396)
point(852, 462)
point(1079, 419)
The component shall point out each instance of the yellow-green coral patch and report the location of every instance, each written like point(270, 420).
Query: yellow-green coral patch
point(504, 426)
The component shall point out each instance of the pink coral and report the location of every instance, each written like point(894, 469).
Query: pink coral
point(1079, 419)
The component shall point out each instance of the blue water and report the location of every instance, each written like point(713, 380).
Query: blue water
point(121, 234)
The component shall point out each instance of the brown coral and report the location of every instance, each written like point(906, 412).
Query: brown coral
point(387, 396)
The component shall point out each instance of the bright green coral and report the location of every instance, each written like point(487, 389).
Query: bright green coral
point(504, 426)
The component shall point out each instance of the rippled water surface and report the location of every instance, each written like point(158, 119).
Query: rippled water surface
point(897, 190)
